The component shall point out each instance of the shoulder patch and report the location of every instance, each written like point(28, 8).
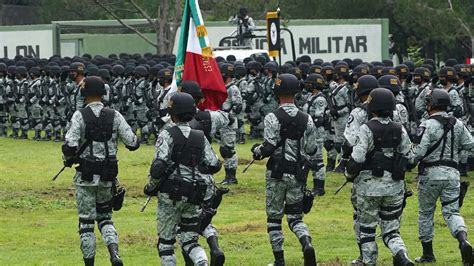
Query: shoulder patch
point(350, 119)
point(420, 131)
point(159, 141)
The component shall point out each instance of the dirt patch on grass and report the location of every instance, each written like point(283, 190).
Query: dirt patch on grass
point(248, 227)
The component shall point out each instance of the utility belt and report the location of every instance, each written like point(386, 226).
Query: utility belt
point(280, 166)
point(423, 165)
point(380, 163)
point(177, 187)
point(106, 169)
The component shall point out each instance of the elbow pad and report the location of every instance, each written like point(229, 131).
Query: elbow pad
point(158, 168)
point(210, 169)
point(267, 149)
point(353, 168)
point(133, 148)
point(69, 151)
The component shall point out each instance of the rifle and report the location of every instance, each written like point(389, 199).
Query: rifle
point(146, 204)
point(75, 158)
point(341, 187)
point(60, 171)
point(248, 165)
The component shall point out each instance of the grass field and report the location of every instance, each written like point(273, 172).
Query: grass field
point(38, 220)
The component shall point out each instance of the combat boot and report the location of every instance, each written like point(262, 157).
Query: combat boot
point(37, 135)
point(358, 261)
point(217, 255)
point(24, 134)
point(308, 251)
point(318, 189)
point(230, 178)
point(330, 166)
point(463, 169)
point(242, 138)
point(428, 256)
point(279, 258)
point(465, 248)
point(57, 136)
point(144, 139)
point(89, 261)
point(47, 135)
point(401, 259)
point(114, 255)
point(470, 164)
point(341, 167)
point(14, 134)
point(187, 260)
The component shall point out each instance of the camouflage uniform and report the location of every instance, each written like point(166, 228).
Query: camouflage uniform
point(440, 181)
point(21, 111)
point(456, 106)
point(162, 107)
point(117, 94)
point(129, 103)
point(3, 107)
point(419, 101)
point(172, 213)
point(330, 132)
point(379, 196)
point(339, 98)
point(35, 96)
point(50, 115)
point(242, 85)
point(140, 108)
point(270, 103)
point(255, 100)
point(93, 198)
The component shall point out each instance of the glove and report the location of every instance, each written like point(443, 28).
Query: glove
point(411, 166)
point(150, 190)
point(349, 178)
point(256, 151)
point(69, 162)
point(334, 113)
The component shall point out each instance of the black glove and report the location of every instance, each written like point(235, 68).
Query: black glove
point(69, 162)
point(350, 179)
point(150, 190)
point(411, 166)
point(333, 113)
point(256, 155)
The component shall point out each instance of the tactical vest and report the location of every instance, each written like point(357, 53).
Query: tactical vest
point(385, 136)
point(202, 121)
point(98, 129)
point(323, 120)
point(290, 128)
point(187, 152)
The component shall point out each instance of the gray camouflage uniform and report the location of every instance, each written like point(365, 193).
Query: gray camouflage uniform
point(93, 197)
point(339, 98)
point(3, 107)
point(228, 137)
point(36, 110)
point(379, 197)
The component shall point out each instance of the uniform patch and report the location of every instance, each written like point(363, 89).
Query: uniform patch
point(350, 119)
point(357, 140)
point(159, 141)
point(420, 131)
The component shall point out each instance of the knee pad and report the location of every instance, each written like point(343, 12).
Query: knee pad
point(389, 236)
point(293, 222)
point(166, 252)
point(103, 222)
point(226, 152)
point(85, 222)
point(328, 145)
point(276, 227)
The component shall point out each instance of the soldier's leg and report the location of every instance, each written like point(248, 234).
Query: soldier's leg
point(294, 215)
point(428, 193)
point(339, 139)
point(227, 151)
point(367, 214)
point(3, 126)
point(454, 220)
point(330, 150)
point(105, 223)
point(15, 127)
point(390, 212)
point(166, 227)
point(189, 226)
point(86, 208)
point(25, 126)
point(319, 172)
point(274, 205)
point(356, 225)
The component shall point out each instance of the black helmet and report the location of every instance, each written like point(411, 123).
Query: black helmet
point(192, 87)
point(316, 81)
point(36, 71)
point(181, 103)
point(55, 70)
point(402, 71)
point(92, 70)
point(286, 84)
point(366, 84)
point(271, 66)
point(104, 73)
point(410, 65)
point(389, 71)
point(93, 85)
point(77, 67)
point(451, 62)
point(165, 74)
point(3, 67)
point(438, 98)
point(376, 71)
point(295, 71)
point(341, 70)
point(304, 67)
point(141, 71)
point(387, 62)
point(21, 70)
point(305, 59)
point(231, 58)
point(423, 72)
point(240, 71)
point(430, 61)
point(462, 70)
point(227, 70)
point(254, 65)
point(447, 72)
point(327, 71)
point(314, 69)
point(381, 101)
point(118, 70)
point(390, 82)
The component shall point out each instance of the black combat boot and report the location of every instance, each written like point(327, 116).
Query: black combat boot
point(465, 248)
point(14, 134)
point(89, 261)
point(279, 258)
point(242, 138)
point(57, 136)
point(318, 189)
point(428, 256)
point(230, 177)
point(470, 164)
point(358, 261)
point(462, 169)
point(187, 260)
point(330, 166)
point(37, 135)
point(341, 167)
point(401, 259)
point(144, 139)
point(308, 251)
point(47, 135)
point(217, 255)
point(114, 255)
point(24, 134)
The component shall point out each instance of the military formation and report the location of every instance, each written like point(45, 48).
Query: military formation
point(374, 120)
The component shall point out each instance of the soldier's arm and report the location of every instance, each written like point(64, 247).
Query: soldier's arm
point(466, 140)
point(125, 133)
point(309, 139)
point(219, 120)
point(361, 147)
point(423, 138)
point(345, 95)
point(73, 135)
point(405, 145)
point(161, 162)
point(212, 164)
point(271, 137)
point(236, 100)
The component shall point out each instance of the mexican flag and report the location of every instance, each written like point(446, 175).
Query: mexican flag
point(194, 59)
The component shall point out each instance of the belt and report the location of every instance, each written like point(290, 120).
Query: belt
point(451, 164)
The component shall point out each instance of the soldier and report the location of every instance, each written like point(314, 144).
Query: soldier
point(448, 79)
point(377, 167)
point(209, 122)
point(117, 87)
point(440, 138)
point(58, 100)
point(3, 100)
point(328, 74)
point(316, 107)
point(140, 108)
point(245, 26)
point(339, 108)
point(35, 101)
point(77, 76)
point(165, 78)
point(228, 137)
point(182, 157)
point(288, 138)
point(241, 83)
point(91, 142)
point(21, 108)
point(400, 114)
point(129, 98)
point(254, 99)
point(269, 101)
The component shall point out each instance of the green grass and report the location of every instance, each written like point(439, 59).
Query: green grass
point(38, 220)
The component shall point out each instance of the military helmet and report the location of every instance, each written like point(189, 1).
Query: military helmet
point(22, 70)
point(254, 65)
point(284, 68)
point(314, 69)
point(36, 71)
point(55, 70)
point(240, 70)
point(429, 67)
point(327, 71)
point(165, 74)
point(438, 98)
point(390, 82)
point(402, 71)
point(423, 72)
point(93, 85)
point(118, 70)
point(447, 72)
point(181, 103)
point(141, 71)
point(387, 62)
point(11, 69)
point(231, 58)
point(389, 71)
point(3, 67)
point(361, 70)
point(430, 61)
point(366, 84)
point(227, 70)
point(192, 87)
point(286, 84)
point(304, 67)
point(462, 70)
point(410, 65)
point(272, 66)
point(296, 71)
point(381, 100)
point(316, 80)
point(376, 70)
point(77, 67)
point(341, 70)
point(451, 62)
point(356, 62)
point(305, 59)
point(104, 73)
point(92, 70)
